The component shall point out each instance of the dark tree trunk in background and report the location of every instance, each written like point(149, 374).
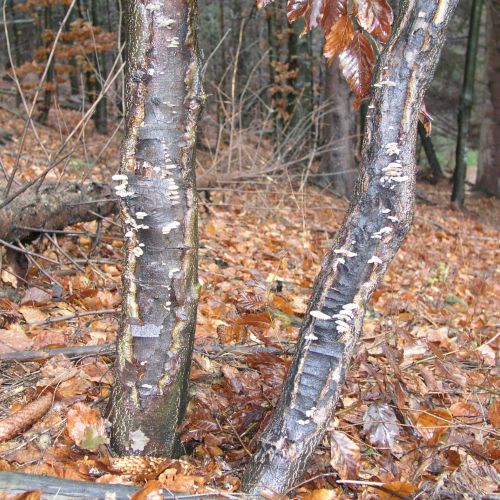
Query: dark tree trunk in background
point(338, 169)
point(488, 178)
point(293, 66)
point(47, 96)
point(378, 218)
point(100, 116)
point(430, 154)
point(465, 106)
point(157, 188)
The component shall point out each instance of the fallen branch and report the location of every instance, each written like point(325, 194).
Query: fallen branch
point(65, 489)
point(110, 350)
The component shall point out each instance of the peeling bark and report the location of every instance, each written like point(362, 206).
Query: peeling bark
point(158, 209)
point(378, 219)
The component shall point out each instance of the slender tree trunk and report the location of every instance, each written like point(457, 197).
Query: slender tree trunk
point(489, 152)
point(100, 116)
point(465, 106)
point(293, 66)
point(379, 217)
point(338, 165)
point(430, 154)
point(157, 188)
point(47, 96)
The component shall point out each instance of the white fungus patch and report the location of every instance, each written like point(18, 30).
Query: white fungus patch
point(320, 315)
point(138, 440)
point(374, 260)
point(170, 226)
point(137, 251)
point(141, 215)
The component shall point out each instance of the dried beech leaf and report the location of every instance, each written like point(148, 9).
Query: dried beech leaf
point(151, 491)
point(346, 455)
point(375, 16)
point(331, 12)
point(26, 417)
point(494, 413)
point(86, 427)
point(402, 489)
point(339, 37)
point(433, 423)
point(356, 64)
point(380, 425)
point(297, 8)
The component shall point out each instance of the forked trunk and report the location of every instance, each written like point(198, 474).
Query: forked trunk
point(157, 188)
point(379, 217)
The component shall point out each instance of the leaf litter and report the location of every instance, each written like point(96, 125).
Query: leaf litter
point(420, 408)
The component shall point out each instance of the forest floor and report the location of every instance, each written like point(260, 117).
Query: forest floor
point(420, 408)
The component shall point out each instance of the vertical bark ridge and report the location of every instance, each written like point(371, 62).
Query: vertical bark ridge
point(378, 218)
point(159, 214)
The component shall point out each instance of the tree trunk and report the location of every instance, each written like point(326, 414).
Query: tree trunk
point(465, 106)
point(100, 116)
point(338, 165)
point(159, 213)
point(53, 206)
point(47, 96)
point(379, 217)
point(488, 178)
point(430, 154)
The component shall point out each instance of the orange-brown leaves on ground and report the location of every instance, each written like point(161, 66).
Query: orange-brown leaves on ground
point(396, 490)
point(86, 427)
point(433, 423)
point(494, 413)
point(25, 417)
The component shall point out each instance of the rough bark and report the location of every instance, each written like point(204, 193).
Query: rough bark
point(488, 178)
point(157, 188)
point(338, 166)
point(65, 489)
point(465, 106)
point(53, 206)
point(378, 218)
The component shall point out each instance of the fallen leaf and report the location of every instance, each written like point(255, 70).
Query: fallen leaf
point(36, 296)
point(380, 425)
point(494, 413)
point(403, 489)
point(14, 340)
point(86, 427)
point(32, 314)
point(432, 423)
point(346, 455)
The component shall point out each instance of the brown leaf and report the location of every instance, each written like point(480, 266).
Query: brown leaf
point(433, 423)
point(32, 314)
point(346, 455)
point(339, 37)
point(86, 427)
point(356, 64)
point(374, 16)
point(36, 296)
point(12, 340)
point(401, 488)
point(494, 413)
point(380, 425)
point(26, 417)
point(320, 494)
point(151, 491)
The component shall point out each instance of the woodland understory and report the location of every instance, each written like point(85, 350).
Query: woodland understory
point(420, 407)
point(245, 180)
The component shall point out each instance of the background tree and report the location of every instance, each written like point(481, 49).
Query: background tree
point(488, 177)
point(465, 105)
